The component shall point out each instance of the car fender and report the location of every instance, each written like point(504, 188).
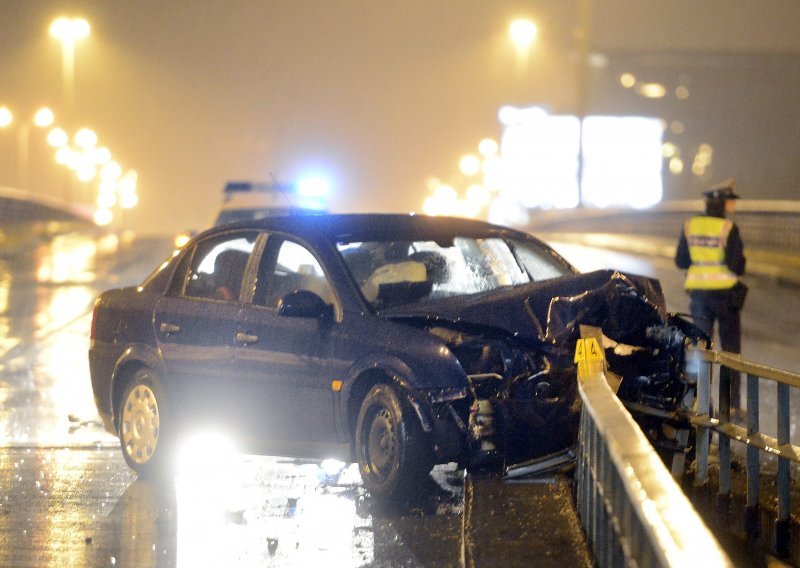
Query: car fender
point(400, 373)
point(140, 355)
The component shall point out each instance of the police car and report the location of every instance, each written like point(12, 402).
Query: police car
point(250, 201)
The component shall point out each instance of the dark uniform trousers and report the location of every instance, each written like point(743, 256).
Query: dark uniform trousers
point(709, 306)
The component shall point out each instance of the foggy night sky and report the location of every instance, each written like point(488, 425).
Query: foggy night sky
point(380, 94)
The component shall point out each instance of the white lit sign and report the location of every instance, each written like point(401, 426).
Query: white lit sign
point(540, 159)
point(622, 160)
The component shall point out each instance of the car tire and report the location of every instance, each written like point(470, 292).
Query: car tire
point(392, 452)
point(141, 415)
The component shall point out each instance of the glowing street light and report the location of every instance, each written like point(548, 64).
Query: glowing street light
point(127, 190)
point(469, 165)
point(69, 31)
point(86, 138)
point(86, 171)
point(64, 154)
point(110, 171)
point(102, 155)
point(522, 33)
point(43, 118)
point(103, 217)
point(488, 147)
point(106, 200)
point(6, 117)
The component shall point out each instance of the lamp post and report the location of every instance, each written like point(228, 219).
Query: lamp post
point(69, 31)
point(522, 33)
point(583, 37)
point(43, 118)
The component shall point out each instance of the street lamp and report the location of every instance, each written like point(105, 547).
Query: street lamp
point(43, 118)
point(69, 31)
point(57, 138)
point(523, 32)
point(6, 117)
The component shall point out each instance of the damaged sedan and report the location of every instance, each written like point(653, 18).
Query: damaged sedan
point(395, 341)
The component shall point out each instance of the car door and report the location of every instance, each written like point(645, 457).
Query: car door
point(195, 322)
point(286, 362)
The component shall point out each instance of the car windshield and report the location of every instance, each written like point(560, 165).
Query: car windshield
point(396, 272)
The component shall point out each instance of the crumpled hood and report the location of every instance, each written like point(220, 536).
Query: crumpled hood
point(623, 305)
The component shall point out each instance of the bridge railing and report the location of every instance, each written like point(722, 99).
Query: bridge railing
point(770, 231)
point(765, 225)
point(632, 511)
point(750, 435)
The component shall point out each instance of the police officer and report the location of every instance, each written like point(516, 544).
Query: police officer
point(710, 248)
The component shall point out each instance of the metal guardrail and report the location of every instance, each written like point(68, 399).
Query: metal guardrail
point(756, 442)
point(765, 224)
point(770, 230)
point(27, 219)
point(632, 511)
point(19, 206)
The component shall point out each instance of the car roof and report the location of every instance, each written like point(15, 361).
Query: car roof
point(367, 226)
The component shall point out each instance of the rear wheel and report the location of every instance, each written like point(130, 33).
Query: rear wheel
point(140, 423)
point(392, 452)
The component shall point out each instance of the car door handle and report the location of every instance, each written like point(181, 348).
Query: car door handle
point(169, 328)
point(246, 338)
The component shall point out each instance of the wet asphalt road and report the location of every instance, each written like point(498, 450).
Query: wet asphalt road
point(83, 507)
point(67, 497)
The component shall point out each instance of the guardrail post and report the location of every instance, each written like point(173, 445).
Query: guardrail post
point(703, 433)
point(724, 443)
point(751, 511)
point(598, 526)
point(782, 523)
point(580, 471)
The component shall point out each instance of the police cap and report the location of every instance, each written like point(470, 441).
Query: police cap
point(722, 191)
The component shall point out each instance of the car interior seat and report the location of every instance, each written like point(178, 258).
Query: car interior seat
point(229, 269)
point(360, 263)
point(435, 265)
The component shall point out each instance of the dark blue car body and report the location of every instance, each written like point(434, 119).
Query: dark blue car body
point(291, 377)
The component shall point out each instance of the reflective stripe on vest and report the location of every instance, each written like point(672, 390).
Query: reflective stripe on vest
point(707, 237)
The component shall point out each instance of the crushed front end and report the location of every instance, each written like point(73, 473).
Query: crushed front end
point(522, 400)
point(644, 349)
point(517, 349)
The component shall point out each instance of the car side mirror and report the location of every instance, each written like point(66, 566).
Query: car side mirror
point(303, 304)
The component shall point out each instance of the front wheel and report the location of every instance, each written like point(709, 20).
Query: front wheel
point(140, 423)
point(392, 451)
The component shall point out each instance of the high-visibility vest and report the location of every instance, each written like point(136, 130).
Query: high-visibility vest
point(707, 237)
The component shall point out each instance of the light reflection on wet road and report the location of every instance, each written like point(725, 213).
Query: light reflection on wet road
point(68, 498)
point(86, 508)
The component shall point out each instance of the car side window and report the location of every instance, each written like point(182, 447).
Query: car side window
point(217, 267)
point(538, 262)
point(289, 268)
